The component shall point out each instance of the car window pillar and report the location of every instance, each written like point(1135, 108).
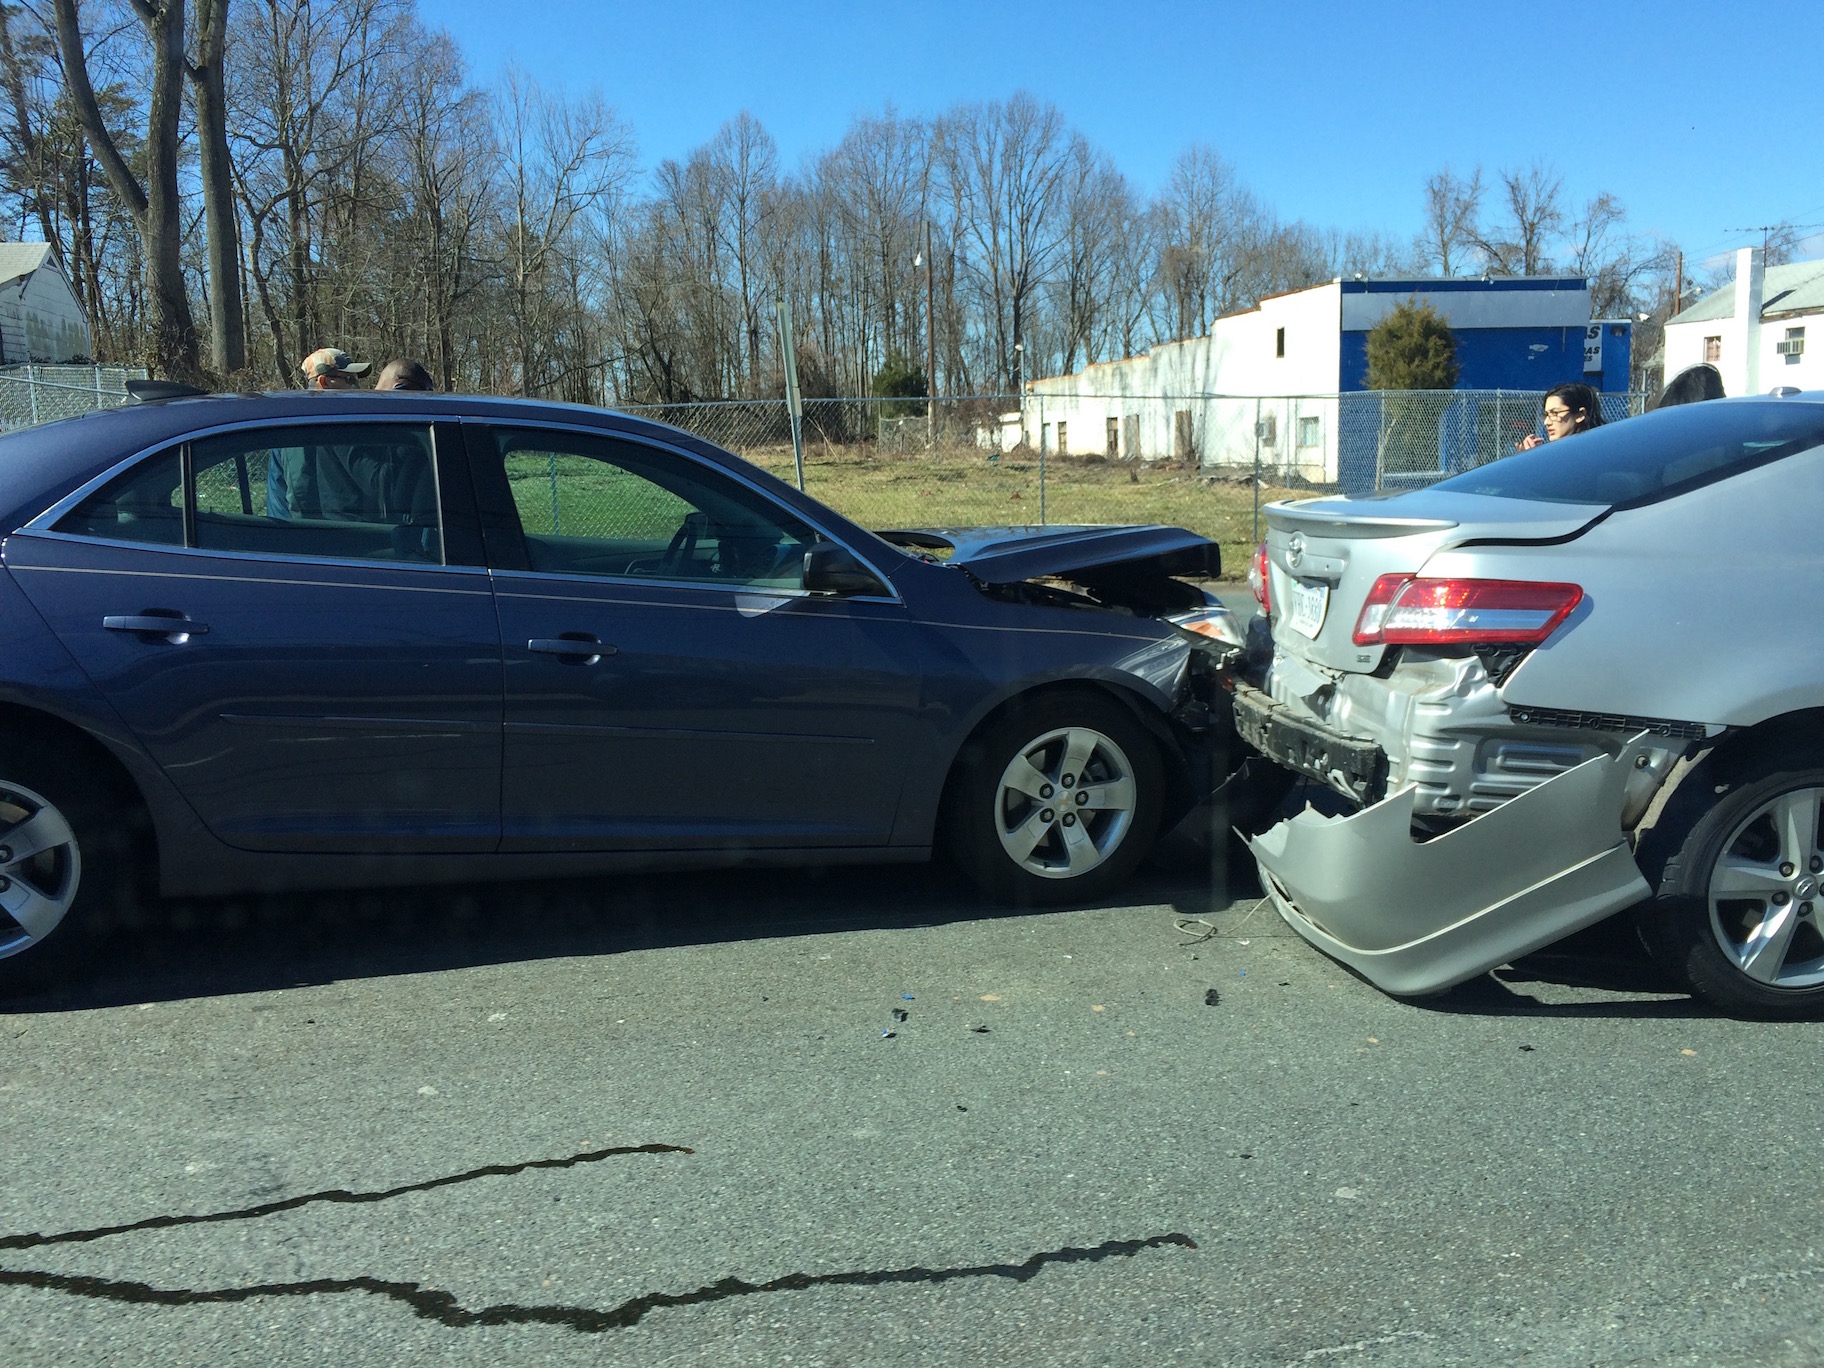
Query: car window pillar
point(463, 542)
point(502, 537)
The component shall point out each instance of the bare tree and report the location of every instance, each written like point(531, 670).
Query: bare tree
point(1208, 219)
point(1004, 168)
point(1780, 243)
point(155, 206)
point(294, 142)
point(450, 170)
point(1453, 208)
point(565, 158)
point(1531, 198)
point(744, 167)
point(1097, 208)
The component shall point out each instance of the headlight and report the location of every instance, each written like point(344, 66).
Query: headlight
point(1215, 623)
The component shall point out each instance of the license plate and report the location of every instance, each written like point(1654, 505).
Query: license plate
point(1310, 602)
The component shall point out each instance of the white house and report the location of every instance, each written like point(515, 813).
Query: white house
point(1268, 381)
point(1753, 329)
point(40, 319)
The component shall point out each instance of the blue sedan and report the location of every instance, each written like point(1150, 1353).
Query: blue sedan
point(295, 641)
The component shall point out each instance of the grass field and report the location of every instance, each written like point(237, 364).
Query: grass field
point(952, 488)
point(967, 490)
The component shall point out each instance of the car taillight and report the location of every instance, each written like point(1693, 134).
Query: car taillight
point(1257, 579)
point(1402, 610)
point(1374, 611)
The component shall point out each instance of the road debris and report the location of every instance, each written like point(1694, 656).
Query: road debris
point(1211, 998)
point(900, 1014)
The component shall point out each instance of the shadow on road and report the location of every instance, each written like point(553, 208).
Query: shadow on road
point(203, 948)
point(1607, 957)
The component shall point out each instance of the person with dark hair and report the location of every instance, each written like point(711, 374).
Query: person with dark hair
point(1568, 409)
point(404, 375)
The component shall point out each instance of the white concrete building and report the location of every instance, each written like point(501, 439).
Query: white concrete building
point(1754, 329)
point(1272, 380)
point(40, 319)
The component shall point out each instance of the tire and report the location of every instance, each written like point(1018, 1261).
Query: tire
point(1009, 825)
point(1739, 914)
point(71, 863)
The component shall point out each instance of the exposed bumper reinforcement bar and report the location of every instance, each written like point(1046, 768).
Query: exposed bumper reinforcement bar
point(1355, 766)
point(1416, 917)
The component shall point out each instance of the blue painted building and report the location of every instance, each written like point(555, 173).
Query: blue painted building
point(1518, 334)
point(1283, 383)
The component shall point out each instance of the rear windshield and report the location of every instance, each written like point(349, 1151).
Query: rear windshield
point(1641, 459)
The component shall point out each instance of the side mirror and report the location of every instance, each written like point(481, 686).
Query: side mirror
point(830, 569)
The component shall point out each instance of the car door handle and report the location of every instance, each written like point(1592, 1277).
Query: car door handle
point(171, 626)
point(575, 647)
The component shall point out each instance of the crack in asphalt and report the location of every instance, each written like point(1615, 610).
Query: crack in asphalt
point(442, 1307)
point(339, 1195)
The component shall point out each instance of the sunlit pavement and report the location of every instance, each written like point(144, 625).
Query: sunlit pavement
point(680, 1120)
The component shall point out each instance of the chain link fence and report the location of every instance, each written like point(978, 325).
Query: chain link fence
point(1206, 462)
point(33, 394)
point(1202, 461)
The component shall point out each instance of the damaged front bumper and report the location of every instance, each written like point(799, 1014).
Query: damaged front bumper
point(1416, 916)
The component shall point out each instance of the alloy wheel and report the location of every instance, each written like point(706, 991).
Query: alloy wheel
point(1767, 892)
point(40, 868)
point(1065, 802)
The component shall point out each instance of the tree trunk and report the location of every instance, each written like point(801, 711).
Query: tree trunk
point(227, 333)
point(156, 209)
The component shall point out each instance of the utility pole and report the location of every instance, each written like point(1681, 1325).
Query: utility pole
point(930, 347)
point(1678, 285)
point(794, 398)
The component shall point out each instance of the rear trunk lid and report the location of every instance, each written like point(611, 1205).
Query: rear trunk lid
point(1325, 554)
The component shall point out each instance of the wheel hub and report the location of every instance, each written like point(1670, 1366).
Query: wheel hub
point(1764, 888)
point(1065, 802)
point(40, 868)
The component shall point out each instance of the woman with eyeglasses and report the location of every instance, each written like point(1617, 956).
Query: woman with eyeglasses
point(1568, 409)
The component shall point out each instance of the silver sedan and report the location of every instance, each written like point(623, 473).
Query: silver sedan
point(1513, 682)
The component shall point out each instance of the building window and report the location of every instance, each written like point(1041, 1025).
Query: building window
point(1133, 436)
point(1063, 439)
point(1279, 343)
point(1713, 349)
point(1311, 431)
point(1114, 438)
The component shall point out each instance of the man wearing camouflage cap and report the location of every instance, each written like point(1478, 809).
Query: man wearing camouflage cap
point(329, 368)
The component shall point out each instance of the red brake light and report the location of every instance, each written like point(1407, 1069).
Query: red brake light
point(1257, 579)
point(1374, 612)
point(1404, 611)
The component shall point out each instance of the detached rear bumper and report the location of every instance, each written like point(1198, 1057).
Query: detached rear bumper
point(1416, 917)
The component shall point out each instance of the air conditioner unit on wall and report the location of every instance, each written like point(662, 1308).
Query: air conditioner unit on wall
point(1792, 346)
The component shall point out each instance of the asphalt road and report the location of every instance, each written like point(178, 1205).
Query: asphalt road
point(660, 1120)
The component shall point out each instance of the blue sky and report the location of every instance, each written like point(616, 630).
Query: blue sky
point(1333, 112)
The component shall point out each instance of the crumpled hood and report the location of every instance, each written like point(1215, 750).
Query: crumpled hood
point(1007, 555)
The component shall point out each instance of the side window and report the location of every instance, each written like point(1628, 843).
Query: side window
point(363, 491)
point(144, 504)
point(599, 506)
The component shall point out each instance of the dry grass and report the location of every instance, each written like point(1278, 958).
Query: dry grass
point(963, 488)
